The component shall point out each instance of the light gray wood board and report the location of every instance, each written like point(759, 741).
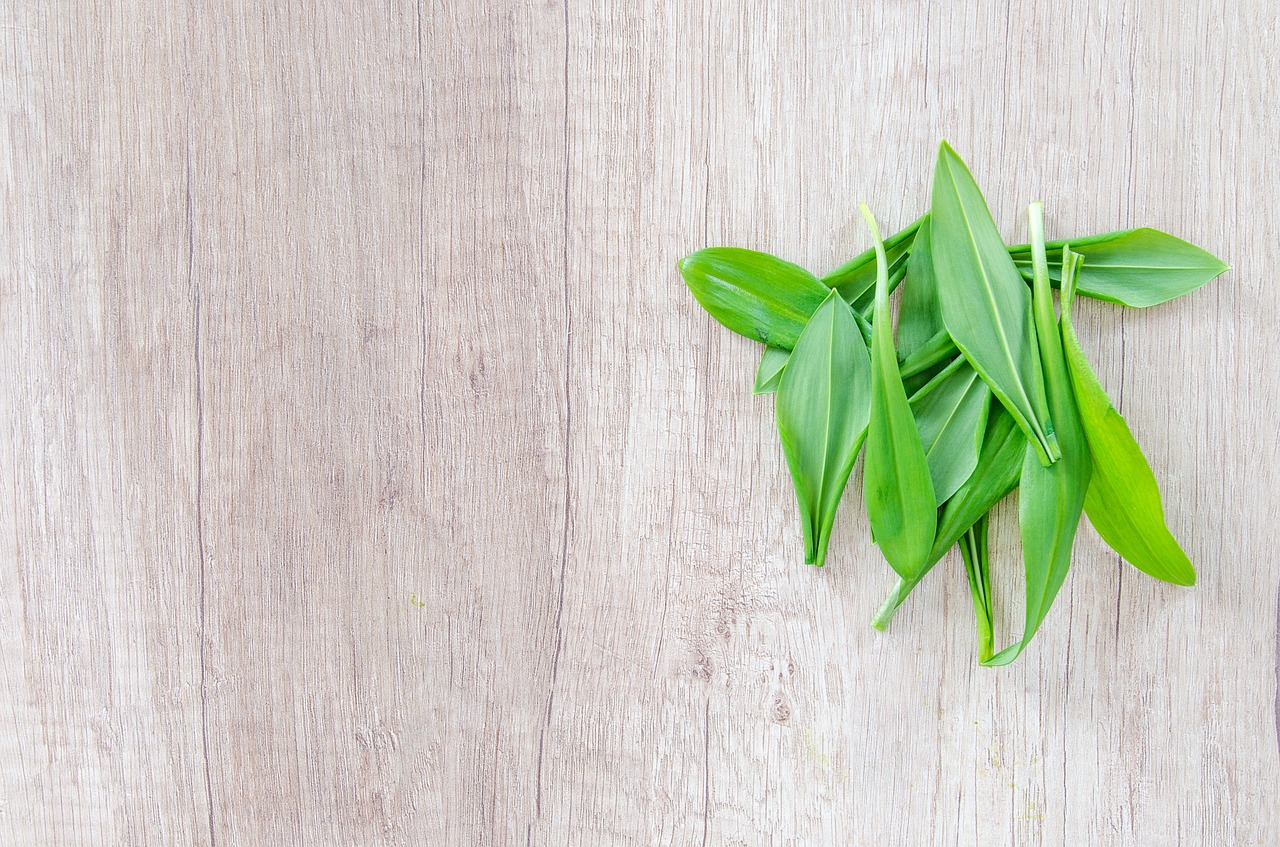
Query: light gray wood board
point(374, 479)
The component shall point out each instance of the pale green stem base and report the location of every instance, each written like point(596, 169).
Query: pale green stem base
point(891, 603)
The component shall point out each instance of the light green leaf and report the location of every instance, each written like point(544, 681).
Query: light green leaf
point(896, 481)
point(1123, 501)
point(754, 294)
point(822, 406)
point(1051, 498)
point(985, 304)
point(974, 551)
point(951, 415)
point(772, 363)
point(1132, 267)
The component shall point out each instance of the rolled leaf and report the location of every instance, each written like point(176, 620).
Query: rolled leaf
point(974, 551)
point(822, 407)
point(754, 294)
point(986, 307)
point(1123, 501)
point(896, 482)
point(1051, 498)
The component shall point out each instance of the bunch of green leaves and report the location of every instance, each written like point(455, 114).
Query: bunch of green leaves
point(984, 390)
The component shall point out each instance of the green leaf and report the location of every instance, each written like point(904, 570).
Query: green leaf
point(985, 305)
point(754, 294)
point(1123, 501)
point(937, 349)
point(932, 358)
point(951, 415)
point(822, 406)
point(999, 466)
point(1051, 498)
point(997, 473)
point(1132, 267)
point(772, 363)
point(856, 278)
point(974, 551)
point(896, 481)
point(920, 320)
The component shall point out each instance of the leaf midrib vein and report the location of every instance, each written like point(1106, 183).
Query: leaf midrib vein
point(986, 287)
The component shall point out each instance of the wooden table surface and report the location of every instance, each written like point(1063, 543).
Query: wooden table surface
point(371, 478)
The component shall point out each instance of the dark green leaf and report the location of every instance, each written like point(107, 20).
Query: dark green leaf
point(985, 304)
point(939, 348)
point(823, 404)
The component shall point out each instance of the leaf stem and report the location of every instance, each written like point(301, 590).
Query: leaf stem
point(891, 603)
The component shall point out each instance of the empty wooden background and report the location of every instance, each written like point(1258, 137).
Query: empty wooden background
point(370, 477)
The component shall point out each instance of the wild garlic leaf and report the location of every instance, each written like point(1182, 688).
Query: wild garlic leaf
point(1123, 501)
point(919, 321)
point(951, 415)
point(1132, 267)
point(896, 482)
point(976, 556)
point(856, 278)
point(935, 356)
point(986, 307)
point(772, 363)
point(822, 407)
point(1051, 498)
point(938, 348)
point(754, 294)
point(999, 466)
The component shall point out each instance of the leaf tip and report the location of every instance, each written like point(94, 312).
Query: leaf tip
point(682, 264)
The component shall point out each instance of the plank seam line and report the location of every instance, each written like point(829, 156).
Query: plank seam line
point(568, 421)
point(200, 547)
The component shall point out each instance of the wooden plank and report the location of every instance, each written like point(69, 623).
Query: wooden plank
point(100, 733)
point(374, 479)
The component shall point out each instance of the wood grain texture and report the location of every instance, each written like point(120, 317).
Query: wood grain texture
point(371, 478)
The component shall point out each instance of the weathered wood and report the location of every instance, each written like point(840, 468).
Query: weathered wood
point(372, 478)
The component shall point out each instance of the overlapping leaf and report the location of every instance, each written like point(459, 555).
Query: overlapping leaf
point(754, 294)
point(986, 390)
point(1123, 501)
point(822, 407)
point(1132, 267)
point(1050, 498)
point(951, 415)
point(895, 474)
point(985, 305)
